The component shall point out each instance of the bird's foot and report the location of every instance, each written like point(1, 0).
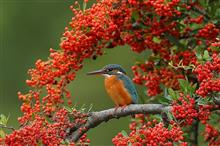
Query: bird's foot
point(116, 108)
point(114, 113)
point(123, 107)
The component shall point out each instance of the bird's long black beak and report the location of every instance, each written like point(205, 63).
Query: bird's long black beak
point(97, 72)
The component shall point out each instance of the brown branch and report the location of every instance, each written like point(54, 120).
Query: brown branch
point(96, 118)
point(165, 119)
point(196, 132)
point(7, 127)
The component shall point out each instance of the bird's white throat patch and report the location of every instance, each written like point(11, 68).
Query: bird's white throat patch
point(120, 72)
point(106, 75)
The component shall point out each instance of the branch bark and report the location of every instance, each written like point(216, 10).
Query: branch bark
point(7, 127)
point(196, 132)
point(96, 118)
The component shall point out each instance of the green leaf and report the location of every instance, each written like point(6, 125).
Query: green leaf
point(192, 89)
point(206, 55)
point(172, 93)
point(84, 6)
point(90, 107)
point(3, 119)
point(169, 115)
point(124, 133)
point(166, 94)
point(199, 54)
point(168, 97)
point(174, 40)
point(83, 108)
point(65, 142)
point(203, 101)
point(157, 117)
point(184, 85)
point(164, 101)
point(215, 48)
point(156, 40)
point(71, 118)
point(49, 120)
point(135, 16)
point(217, 14)
point(68, 109)
point(2, 134)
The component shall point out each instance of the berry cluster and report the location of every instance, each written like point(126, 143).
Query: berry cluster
point(155, 77)
point(150, 133)
point(184, 110)
point(208, 76)
point(51, 131)
point(41, 131)
point(209, 32)
point(212, 135)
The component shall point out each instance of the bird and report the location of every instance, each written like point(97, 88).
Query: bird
point(118, 85)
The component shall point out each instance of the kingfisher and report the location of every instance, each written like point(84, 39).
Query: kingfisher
point(118, 85)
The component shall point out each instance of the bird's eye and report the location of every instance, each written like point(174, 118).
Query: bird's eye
point(110, 69)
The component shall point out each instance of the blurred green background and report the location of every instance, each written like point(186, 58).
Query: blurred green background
point(28, 28)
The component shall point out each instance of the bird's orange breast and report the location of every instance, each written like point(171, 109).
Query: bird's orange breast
point(116, 90)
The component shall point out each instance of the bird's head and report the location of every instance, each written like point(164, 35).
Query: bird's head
point(108, 70)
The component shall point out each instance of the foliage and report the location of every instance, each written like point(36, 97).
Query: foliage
point(182, 71)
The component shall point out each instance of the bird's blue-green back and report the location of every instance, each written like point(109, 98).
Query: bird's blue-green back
point(129, 86)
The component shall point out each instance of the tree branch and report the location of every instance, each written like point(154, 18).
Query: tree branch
point(96, 118)
point(196, 132)
point(7, 127)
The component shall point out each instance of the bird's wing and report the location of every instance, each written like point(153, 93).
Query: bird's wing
point(130, 87)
